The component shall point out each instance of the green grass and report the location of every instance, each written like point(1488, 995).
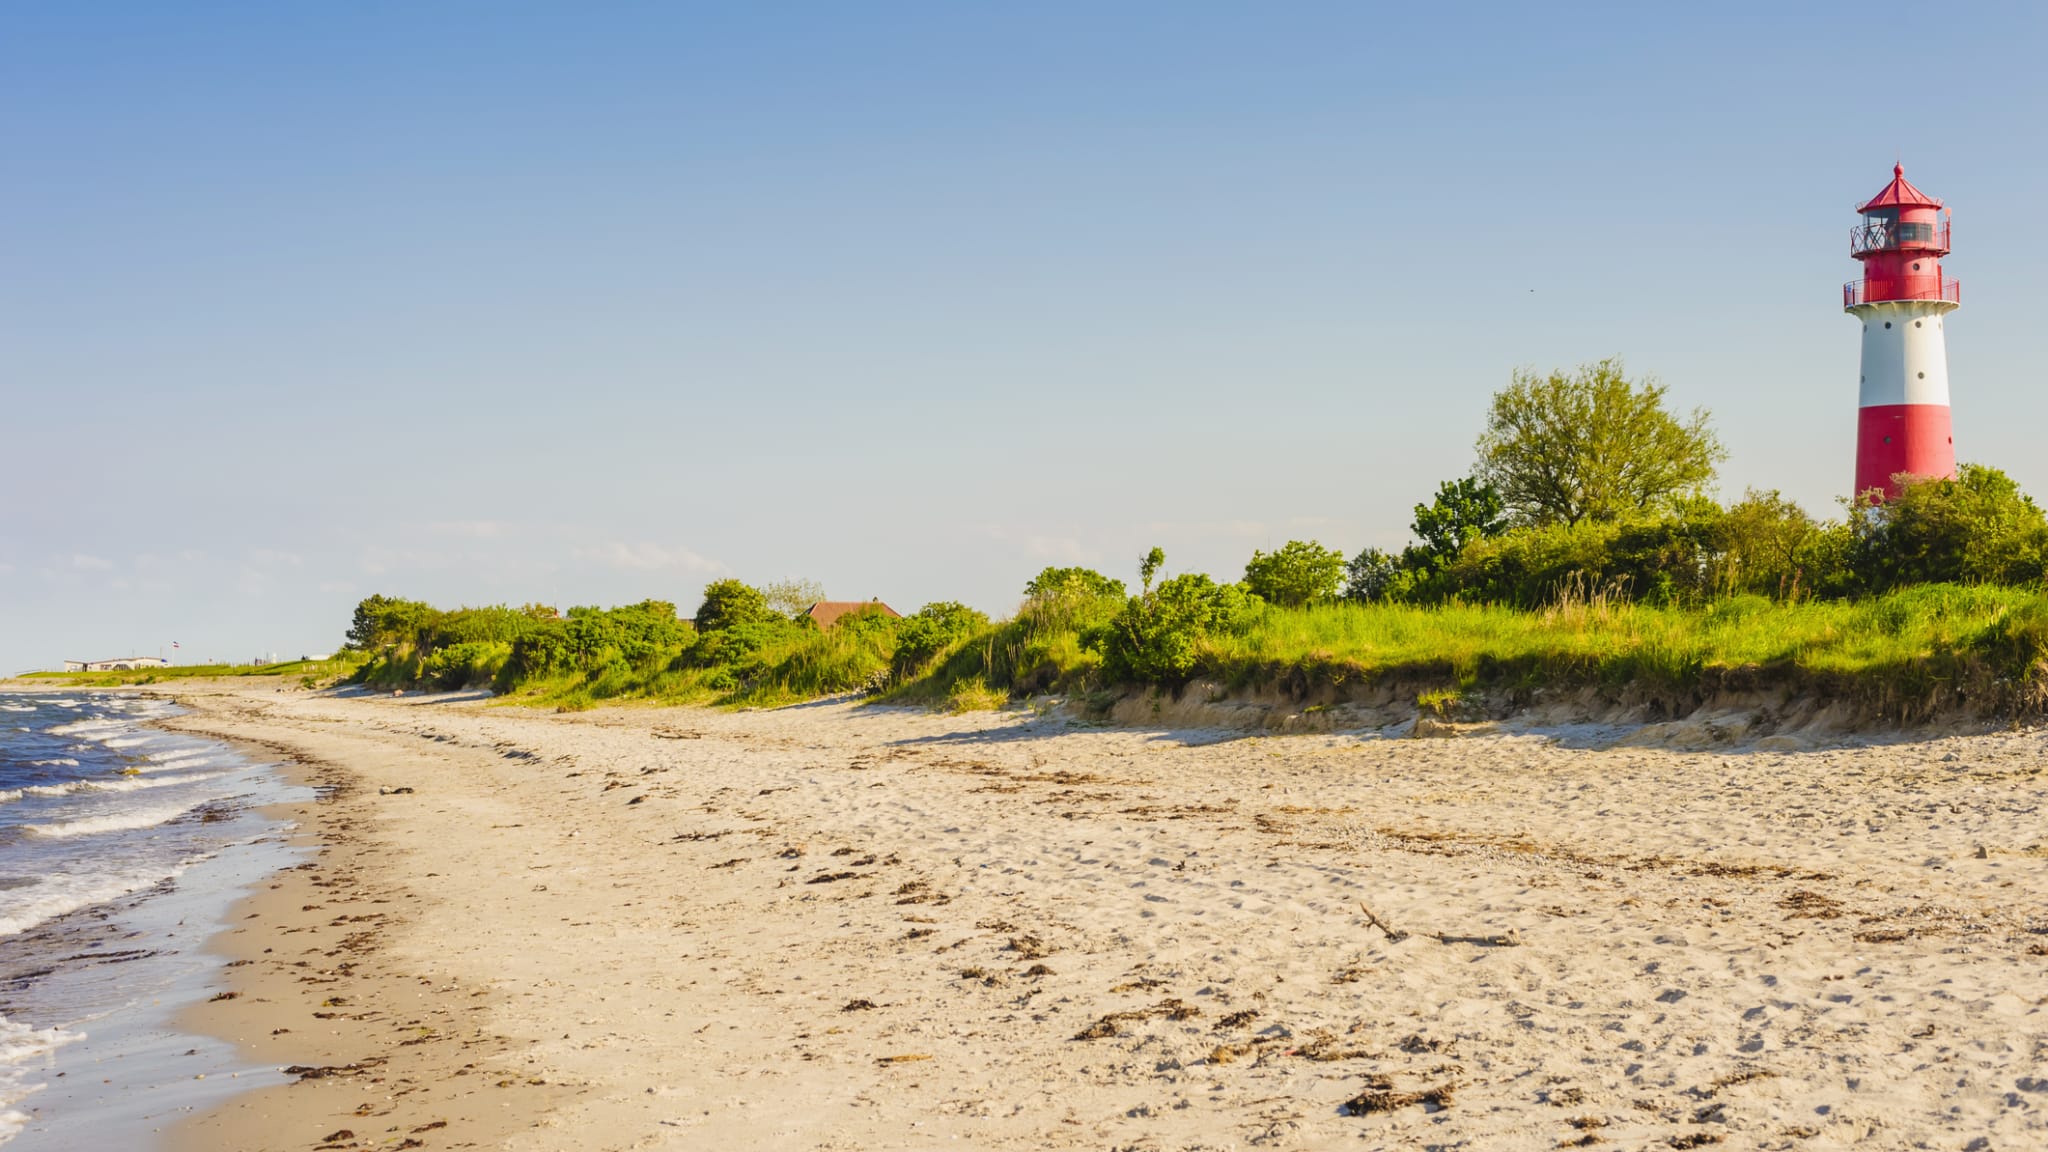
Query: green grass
point(334, 668)
point(1906, 654)
point(805, 665)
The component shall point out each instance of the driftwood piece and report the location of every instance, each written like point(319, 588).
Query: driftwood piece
point(1507, 939)
point(1393, 937)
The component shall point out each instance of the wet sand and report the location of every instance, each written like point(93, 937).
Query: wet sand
point(835, 927)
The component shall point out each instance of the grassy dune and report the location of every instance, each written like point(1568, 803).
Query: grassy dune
point(1906, 655)
point(803, 666)
point(1903, 655)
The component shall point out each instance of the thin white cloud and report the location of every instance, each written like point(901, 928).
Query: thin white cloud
point(647, 557)
point(1039, 545)
point(87, 563)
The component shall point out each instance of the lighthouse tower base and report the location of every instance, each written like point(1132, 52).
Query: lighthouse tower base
point(1902, 425)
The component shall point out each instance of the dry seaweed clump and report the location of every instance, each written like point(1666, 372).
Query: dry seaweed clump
point(1030, 947)
point(1109, 1025)
point(1380, 1096)
point(1237, 1019)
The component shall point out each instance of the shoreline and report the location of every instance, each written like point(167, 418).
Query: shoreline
point(834, 927)
point(313, 990)
point(105, 980)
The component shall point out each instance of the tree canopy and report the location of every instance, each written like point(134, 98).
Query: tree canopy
point(1592, 445)
point(1298, 573)
point(729, 604)
point(1463, 511)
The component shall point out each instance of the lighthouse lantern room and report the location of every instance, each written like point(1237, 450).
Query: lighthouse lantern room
point(1902, 426)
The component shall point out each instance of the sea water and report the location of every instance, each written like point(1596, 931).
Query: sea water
point(121, 847)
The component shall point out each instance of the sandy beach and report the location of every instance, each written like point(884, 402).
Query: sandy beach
point(842, 927)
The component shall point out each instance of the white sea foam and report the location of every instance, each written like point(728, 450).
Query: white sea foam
point(17, 708)
point(59, 762)
point(95, 728)
point(130, 741)
point(122, 821)
point(56, 894)
point(118, 784)
point(21, 1048)
point(169, 761)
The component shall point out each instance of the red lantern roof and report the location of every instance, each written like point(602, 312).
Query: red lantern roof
point(1900, 193)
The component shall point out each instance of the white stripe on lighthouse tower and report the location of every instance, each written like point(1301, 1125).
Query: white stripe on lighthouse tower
point(1905, 355)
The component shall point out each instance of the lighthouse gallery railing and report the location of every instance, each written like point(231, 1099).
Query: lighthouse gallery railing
point(1891, 235)
point(1859, 292)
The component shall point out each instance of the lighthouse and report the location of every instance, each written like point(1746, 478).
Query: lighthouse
point(1902, 424)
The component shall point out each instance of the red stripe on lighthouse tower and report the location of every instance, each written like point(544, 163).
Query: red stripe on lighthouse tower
point(1902, 427)
point(1895, 439)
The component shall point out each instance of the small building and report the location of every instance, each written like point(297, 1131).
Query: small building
point(121, 664)
point(826, 613)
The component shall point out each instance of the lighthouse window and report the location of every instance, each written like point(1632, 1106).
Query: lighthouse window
point(1911, 232)
point(1923, 375)
point(1916, 323)
point(1887, 323)
point(1916, 265)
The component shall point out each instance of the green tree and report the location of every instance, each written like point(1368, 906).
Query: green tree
point(1149, 565)
point(1592, 445)
point(1297, 574)
point(792, 598)
point(1078, 583)
point(728, 603)
point(380, 620)
point(1463, 511)
point(1977, 528)
point(1374, 576)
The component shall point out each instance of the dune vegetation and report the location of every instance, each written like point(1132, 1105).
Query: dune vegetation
point(1907, 653)
point(1583, 552)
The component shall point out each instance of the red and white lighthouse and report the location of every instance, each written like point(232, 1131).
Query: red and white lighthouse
point(1903, 424)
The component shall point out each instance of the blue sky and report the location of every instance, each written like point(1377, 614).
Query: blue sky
point(591, 303)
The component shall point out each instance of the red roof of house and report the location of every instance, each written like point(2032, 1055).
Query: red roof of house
point(1900, 194)
point(828, 612)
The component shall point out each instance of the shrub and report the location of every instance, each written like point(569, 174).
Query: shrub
point(1157, 637)
point(1298, 574)
point(1765, 543)
point(728, 603)
point(1658, 561)
point(1977, 528)
point(588, 639)
point(463, 665)
point(932, 629)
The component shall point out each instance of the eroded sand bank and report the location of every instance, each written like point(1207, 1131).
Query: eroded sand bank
point(835, 927)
